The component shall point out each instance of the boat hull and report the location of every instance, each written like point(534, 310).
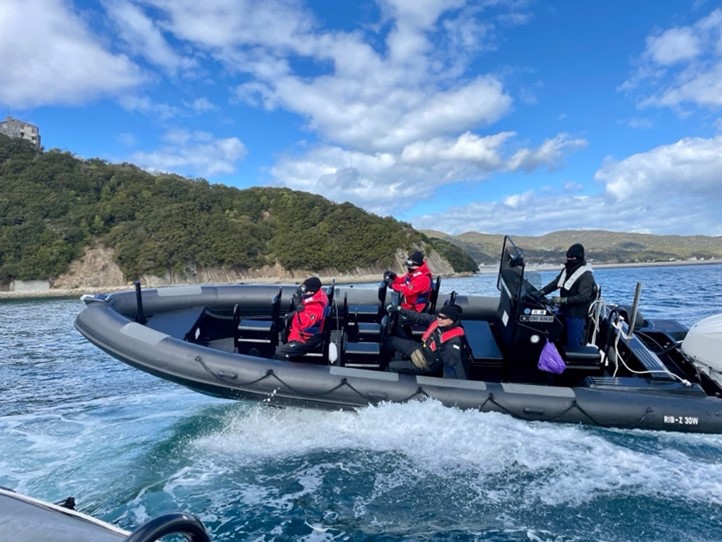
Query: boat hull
point(159, 347)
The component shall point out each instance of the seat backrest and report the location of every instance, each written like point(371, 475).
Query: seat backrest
point(276, 306)
point(330, 311)
point(433, 297)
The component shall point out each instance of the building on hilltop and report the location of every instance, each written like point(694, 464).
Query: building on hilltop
point(17, 128)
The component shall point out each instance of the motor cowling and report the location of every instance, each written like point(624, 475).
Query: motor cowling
point(703, 345)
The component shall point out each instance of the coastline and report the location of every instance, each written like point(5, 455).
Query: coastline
point(70, 293)
point(61, 293)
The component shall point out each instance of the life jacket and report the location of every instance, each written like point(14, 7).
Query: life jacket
point(567, 283)
point(456, 331)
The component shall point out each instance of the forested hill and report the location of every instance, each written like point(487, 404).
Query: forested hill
point(53, 206)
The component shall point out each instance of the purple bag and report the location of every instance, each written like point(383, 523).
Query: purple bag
point(550, 360)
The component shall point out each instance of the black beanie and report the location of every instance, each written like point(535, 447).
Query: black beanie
point(576, 251)
point(311, 284)
point(451, 311)
point(417, 258)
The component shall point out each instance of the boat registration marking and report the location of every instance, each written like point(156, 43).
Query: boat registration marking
point(142, 333)
point(682, 420)
point(536, 318)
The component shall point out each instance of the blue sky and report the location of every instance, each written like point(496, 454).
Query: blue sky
point(499, 116)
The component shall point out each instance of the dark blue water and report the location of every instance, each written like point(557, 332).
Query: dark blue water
point(128, 446)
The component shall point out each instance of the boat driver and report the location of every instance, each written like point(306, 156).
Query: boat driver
point(441, 344)
point(306, 322)
point(577, 289)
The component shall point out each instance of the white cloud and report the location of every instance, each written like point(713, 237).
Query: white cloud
point(142, 36)
point(681, 66)
point(673, 46)
point(549, 154)
point(671, 189)
point(536, 214)
point(368, 98)
point(67, 66)
point(484, 152)
point(689, 168)
point(196, 153)
point(222, 24)
point(387, 183)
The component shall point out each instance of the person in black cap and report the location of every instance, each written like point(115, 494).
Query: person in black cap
point(414, 286)
point(577, 289)
point(441, 345)
point(306, 322)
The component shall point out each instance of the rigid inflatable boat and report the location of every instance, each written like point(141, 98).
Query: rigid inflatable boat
point(220, 339)
point(26, 519)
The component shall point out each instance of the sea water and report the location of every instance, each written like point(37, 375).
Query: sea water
point(129, 446)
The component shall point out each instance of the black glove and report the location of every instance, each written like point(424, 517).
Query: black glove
point(389, 276)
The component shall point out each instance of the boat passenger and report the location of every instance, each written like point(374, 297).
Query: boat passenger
point(415, 285)
point(577, 289)
point(306, 322)
point(441, 344)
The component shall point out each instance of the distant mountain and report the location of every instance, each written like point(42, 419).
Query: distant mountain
point(601, 246)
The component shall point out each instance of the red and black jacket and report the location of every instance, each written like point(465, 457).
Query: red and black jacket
point(415, 288)
point(308, 320)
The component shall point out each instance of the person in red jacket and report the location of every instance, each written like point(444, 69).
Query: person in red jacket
point(441, 345)
point(415, 286)
point(306, 323)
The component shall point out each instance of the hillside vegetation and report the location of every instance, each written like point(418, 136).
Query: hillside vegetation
point(54, 206)
point(601, 246)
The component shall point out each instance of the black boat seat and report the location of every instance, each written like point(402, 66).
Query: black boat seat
point(366, 313)
point(258, 336)
point(581, 357)
point(433, 296)
point(362, 355)
point(369, 331)
point(481, 341)
point(363, 322)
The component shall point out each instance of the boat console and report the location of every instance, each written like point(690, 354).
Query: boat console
point(525, 319)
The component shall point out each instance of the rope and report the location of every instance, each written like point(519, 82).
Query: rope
point(420, 391)
point(271, 374)
point(620, 333)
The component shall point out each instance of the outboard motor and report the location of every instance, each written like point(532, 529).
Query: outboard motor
point(703, 345)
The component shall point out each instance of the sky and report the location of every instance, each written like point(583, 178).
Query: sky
point(516, 117)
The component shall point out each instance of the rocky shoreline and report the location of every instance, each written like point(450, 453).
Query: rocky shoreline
point(54, 293)
point(58, 293)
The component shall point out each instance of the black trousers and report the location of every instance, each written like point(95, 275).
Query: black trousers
point(296, 349)
point(405, 347)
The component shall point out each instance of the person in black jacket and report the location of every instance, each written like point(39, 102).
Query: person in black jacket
point(577, 289)
point(441, 344)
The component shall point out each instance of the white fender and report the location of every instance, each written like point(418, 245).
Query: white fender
point(703, 344)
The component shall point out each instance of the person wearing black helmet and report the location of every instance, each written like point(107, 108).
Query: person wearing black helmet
point(577, 289)
point(415, 286)
point(441, 345)
point(306, 323)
